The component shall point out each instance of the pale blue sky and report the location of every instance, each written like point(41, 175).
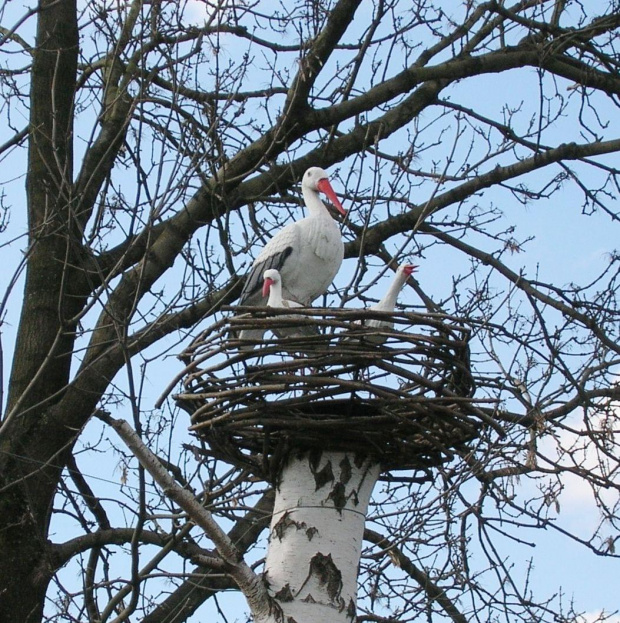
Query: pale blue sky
point(561, 247)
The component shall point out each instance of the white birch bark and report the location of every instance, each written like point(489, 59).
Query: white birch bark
point(316, 536)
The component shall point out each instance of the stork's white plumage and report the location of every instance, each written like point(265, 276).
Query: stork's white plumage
point(272, 288)
point(388, 302)
point(307, 253)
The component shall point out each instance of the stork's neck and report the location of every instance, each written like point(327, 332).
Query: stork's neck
point(275, 295)
point(316, 207)
point(388, 302)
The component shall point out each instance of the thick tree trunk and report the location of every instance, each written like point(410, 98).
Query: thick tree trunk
point(43, 349)
point(316, 536)
point(30, 463)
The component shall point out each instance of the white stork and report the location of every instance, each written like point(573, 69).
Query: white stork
point(272, 288)
point(388, 303)
point(307, 253)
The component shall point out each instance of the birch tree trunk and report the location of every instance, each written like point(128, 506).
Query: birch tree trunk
point(316, 535)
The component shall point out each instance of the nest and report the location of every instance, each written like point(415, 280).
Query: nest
point(404, 395)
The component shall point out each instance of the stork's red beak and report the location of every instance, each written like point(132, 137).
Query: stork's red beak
point(325, 187)
point(266, 285)
point(409, 269)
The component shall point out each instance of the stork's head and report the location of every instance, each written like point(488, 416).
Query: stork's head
point(316, 179)
point(407, 269)
point(270, 277)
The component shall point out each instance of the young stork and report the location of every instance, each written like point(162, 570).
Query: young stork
point(272, 288)
point(388, 304)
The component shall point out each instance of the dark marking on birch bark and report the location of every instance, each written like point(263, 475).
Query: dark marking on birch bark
point(338, 496)
point(284, 594)
point(275, 610)
point(323, 476)
point(351, 610)
point(314, 458)
point(345, 470)
point(358, 459)
point(285, 522)
point(328, 575)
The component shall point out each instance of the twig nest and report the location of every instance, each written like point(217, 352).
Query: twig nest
point(402, 392)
